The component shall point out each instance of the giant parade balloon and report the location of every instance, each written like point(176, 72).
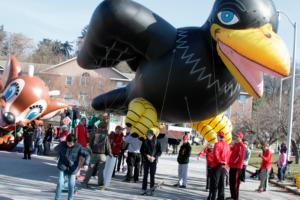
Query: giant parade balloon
point(188, 74)
point(24, 98)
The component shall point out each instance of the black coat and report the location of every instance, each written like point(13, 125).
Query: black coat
point(28, 136)
point(184, 153)
point(49, 135)
point(69, 157)
point(151, 147)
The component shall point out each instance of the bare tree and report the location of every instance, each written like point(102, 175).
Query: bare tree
point(295, 143)
point(14, 43)
point(2, 40)
point(264, 125)
point(268, 123)
point(20, 45)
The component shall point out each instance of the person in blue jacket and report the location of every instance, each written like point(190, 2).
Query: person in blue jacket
point(71, 157)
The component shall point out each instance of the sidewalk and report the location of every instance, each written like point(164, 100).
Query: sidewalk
point(288, 185)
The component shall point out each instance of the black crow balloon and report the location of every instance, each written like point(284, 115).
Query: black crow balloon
point(189, 74)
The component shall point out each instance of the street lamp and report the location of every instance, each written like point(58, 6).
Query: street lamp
point(291, 97)
point(280, 92)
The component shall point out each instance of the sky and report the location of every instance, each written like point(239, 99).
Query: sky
point(64, 19)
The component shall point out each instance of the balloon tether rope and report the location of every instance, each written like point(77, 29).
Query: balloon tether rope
point(188, 108)
point(167, 85)
point(214, 71)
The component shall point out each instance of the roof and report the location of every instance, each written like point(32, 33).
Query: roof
point(128, 76)
point(58, 65)
point(124, 75)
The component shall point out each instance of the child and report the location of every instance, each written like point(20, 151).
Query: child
point(282, 164)
point(183, 161)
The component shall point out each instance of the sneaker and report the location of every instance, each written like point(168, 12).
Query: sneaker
point(101, 188)
point(127, 180)
point(176, 185)
point(144, 192)
point(151, 192)
point(259, 190)
point(84, 185)
point(182, 186)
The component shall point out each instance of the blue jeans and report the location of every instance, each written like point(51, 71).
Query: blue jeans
point(38, 149)
point(60, 183)
point(281, 173)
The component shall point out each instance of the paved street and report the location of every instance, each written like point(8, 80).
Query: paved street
point(35, 180)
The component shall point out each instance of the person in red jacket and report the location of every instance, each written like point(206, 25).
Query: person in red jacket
point(265, 168)
point(64, 133)
point(221, 157)
point(208, 152)
point(116, 143)
point(81, 133)
point(236, 161)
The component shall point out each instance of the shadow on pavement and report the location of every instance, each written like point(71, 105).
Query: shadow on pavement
point(5, 198)
point(33, 169)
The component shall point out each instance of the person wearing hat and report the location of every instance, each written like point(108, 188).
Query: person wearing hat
point(208, 153)
point(150, 150)
point(221, 157)
point(100, 147)
point(236, 162)
point(265, 168)
point(116, 142)
point(183, 162)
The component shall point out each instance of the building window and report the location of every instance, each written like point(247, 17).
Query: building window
point(68, 96)
point(69, 80)
point(48, 82)
point(83, 98)
point(120, 84)
point(242, 98)
point(85, 78)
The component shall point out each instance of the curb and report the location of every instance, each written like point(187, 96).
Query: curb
point(290, 188)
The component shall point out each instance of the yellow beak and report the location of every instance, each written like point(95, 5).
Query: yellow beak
point(250, 53)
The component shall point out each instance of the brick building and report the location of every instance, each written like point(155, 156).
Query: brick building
point(79, 86)
point(241, 109)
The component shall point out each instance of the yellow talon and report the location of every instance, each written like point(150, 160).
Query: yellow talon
point(142, 116)
point(210, 127)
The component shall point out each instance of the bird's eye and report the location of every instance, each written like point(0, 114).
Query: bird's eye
point(228, 17)
point(34, 111)
point(12, 90)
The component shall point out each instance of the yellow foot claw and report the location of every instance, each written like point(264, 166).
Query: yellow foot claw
point(142, 116)
point(210, 127)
